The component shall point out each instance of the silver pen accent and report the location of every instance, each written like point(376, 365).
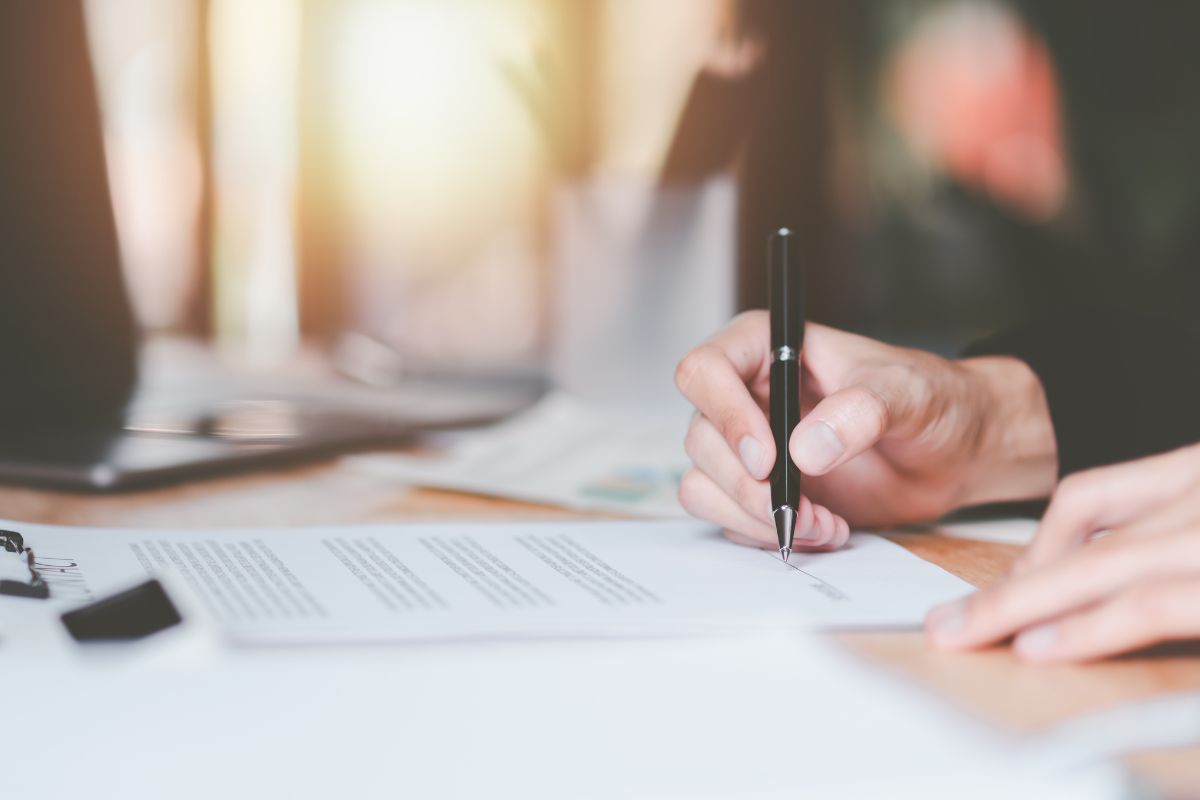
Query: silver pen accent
point(785, 524)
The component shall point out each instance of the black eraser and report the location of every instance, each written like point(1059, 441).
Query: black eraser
point(35, 591)
point(132, 614)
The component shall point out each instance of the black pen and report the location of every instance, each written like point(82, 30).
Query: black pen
point(787, 337)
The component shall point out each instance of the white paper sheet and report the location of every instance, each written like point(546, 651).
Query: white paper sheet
point(561, 452)
point(776, 715)
point(437, 581)
point(750, 717)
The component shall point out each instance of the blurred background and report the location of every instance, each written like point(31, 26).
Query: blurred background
point(503, 185)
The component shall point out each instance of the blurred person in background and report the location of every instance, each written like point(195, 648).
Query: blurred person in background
point(1093, 402)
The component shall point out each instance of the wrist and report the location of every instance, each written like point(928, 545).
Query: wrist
point(1015, 453)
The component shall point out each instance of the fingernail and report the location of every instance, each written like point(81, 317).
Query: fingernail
point(818, 448)
point(1038, 641)
point(752, 455)
point(947, 621)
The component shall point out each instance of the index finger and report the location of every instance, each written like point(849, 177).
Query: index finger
point(715, 378)
point(1106, 497)
point(1098, 571)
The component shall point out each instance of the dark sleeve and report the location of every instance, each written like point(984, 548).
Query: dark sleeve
point(1120, 386)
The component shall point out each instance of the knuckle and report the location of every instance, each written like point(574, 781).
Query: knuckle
point(1070, 486)
point(1073, 503)
point(729, 421)
point(693, 365)
point(749, 318)
point(1146, 605)
point(747, 494)
point(879, 408)
point(1072, 496)
point(1078, 486)
point(870, 408)
point(1109, 557)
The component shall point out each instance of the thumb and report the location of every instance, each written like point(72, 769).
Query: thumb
point(844, 424)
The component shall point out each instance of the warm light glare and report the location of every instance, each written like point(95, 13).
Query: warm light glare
point(407, 64)
point(255, 61)
point(430, 136)
point(443, 173)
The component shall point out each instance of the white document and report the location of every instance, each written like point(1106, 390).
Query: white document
point(747, 717)
point(455, 581)
point(561, 452)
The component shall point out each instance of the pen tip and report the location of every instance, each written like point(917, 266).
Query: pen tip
point(784, 552)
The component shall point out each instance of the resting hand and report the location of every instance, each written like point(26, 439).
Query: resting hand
point(1075, 597)
point(888, 435)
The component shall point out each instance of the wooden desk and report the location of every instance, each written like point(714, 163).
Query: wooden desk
point(990, 684)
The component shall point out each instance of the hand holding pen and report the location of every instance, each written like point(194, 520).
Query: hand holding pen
point(889, 435)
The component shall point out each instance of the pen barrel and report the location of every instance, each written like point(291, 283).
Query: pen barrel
point(785, 413)
point(786, 287)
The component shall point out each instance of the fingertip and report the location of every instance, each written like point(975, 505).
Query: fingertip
point(828, 524)
point(822, 530)
point(755, 457)
point(843, 533)
point(946, 624)
point(822, 519)
point(815, 447)
point(1038, 644)
point(688, 490)
point(930, 632)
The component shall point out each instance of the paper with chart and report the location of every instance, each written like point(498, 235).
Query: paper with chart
point(561, 452)
point(439, 581)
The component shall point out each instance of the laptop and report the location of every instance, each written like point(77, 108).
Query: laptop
point(83, 404)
